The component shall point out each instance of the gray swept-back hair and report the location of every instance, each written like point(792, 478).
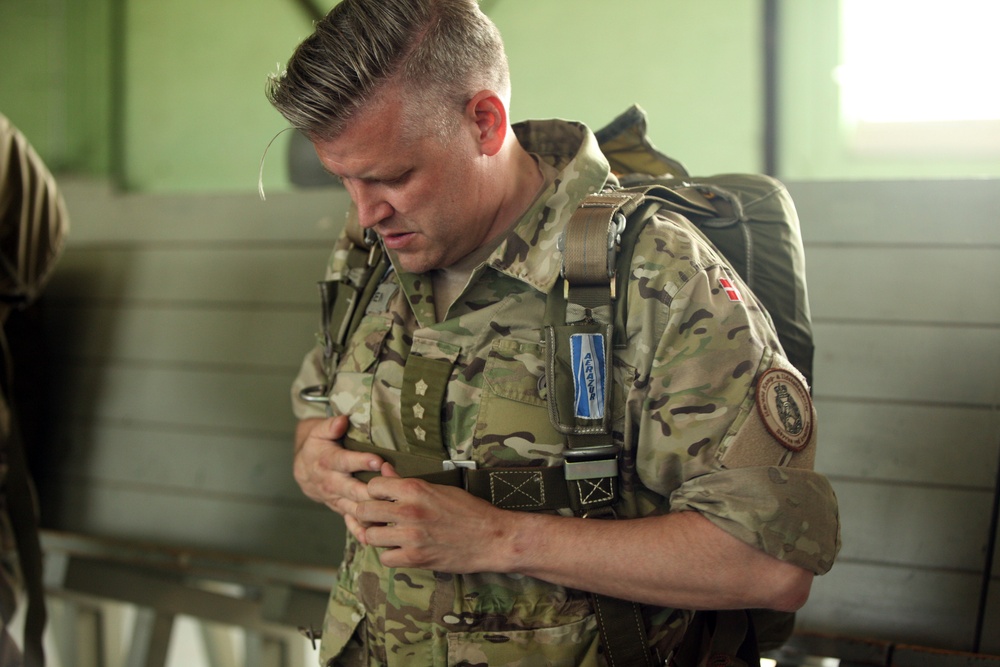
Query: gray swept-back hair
point(442, 52)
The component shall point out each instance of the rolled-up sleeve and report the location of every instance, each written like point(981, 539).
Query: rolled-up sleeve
point(788, 513)
point(728, 428)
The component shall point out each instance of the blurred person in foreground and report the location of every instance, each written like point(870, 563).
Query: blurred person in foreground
point(33, 228)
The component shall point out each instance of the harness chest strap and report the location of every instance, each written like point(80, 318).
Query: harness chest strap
point(527, 489)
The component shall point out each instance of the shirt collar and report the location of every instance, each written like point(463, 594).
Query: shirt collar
point(530, 253)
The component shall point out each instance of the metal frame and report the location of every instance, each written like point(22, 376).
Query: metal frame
point(815, 649)
point(265, 598)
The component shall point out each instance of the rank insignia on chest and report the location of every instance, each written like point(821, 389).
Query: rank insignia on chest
point(425, 383)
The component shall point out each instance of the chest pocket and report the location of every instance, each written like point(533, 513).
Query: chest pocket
point(513, 427)
point(351, 389)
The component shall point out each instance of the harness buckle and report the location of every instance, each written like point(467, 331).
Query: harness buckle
point(591, 462)
point(371, 240)
point(451, 464)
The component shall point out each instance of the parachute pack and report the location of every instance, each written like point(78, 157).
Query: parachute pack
point(749, 218)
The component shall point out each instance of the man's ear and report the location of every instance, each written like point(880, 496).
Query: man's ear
point(489, 114)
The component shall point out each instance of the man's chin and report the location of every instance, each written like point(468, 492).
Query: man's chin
point(413, 262)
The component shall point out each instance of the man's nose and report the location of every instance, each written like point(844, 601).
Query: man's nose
point(372, 207)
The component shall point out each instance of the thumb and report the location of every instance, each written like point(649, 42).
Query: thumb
point(388, 471)
point(337, 426)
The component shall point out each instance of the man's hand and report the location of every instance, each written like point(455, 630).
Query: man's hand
point(676, 560)
point(323, 469)
point(430, 526)
point(679, 559)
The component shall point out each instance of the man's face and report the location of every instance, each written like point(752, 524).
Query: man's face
point(422, 193)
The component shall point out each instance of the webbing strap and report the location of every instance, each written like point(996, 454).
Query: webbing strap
point(591, 235)
point(344, 300)
point(590, 246)
point(343, 303)
point(623, 632)
point(723, 638)
point(527, 489)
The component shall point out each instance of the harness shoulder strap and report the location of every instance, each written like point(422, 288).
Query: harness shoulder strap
point(583, 317)
point(344, 299)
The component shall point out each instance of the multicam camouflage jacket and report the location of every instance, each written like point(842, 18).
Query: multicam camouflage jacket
point(698, 426)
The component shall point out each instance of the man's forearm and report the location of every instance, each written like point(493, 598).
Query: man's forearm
point(680, 560)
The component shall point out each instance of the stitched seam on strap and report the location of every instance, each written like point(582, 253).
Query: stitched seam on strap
point(608, 655)
point(591, 496)
point(637, 617)
point(511, 489)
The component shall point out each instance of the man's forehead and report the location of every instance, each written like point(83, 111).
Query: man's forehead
point(375, 161)
point(374, 142)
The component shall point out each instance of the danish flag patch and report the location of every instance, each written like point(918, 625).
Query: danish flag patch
point(730, 289)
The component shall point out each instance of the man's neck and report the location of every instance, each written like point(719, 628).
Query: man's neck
point(527, 181)
point(522, 187)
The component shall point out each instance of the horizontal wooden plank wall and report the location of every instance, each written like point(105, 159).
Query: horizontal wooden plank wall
point(903, 282)
point(178, 322)
point(176, 325)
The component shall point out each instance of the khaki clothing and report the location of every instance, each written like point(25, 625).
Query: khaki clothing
point(33, 229)
point(695, 432)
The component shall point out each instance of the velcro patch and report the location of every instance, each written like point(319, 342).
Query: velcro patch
point(380, 299)
point(785, 407)
point(588, 375)
point(730, 289)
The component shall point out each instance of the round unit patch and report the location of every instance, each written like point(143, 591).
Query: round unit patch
point(785, 407)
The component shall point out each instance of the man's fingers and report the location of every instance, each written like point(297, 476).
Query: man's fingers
point(356, 528)
point(348, 462)
point(337, 426)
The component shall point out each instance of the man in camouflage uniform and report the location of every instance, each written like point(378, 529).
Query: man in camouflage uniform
point(406, 102)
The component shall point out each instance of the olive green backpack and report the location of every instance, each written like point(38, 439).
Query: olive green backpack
point(750, 218)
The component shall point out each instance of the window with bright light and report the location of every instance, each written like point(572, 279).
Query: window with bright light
point(921, 77)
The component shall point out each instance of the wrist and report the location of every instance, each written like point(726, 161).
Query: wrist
point(520, 536)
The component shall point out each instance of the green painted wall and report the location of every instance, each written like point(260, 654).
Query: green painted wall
point(692, 65)
point(196, 116)
point(168, 96)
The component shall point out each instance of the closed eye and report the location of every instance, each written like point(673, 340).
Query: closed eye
point(396, 181)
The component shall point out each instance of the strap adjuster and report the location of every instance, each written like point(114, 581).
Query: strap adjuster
point(591, 462)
